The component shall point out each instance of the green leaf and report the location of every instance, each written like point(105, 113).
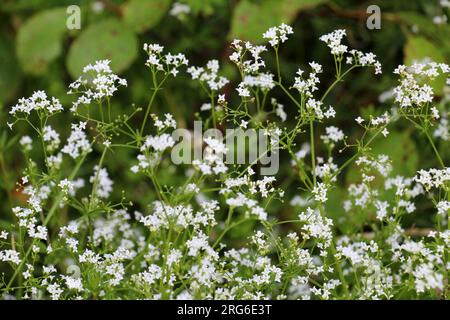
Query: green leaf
point(107, 39)
point(290, 8)
point(142, 15)
point(422, 26)
point(19, 5)
point(39, 40)
point(418, 48)
point(10, 74)
point(251, 19)
point(207, 7)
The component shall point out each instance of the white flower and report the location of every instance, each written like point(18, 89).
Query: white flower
point(158, 143)
point(333, 41)
point(278, 34)
point(169, 63)
point(315, 107)
point(9, 256)
point(242, 90)
point(316, 226)
point(209, 75)
point(38, 102)
point(239, 56)
point(73, 283)
point(412, 90)
point(174, 257)
point(433, 178)
point(333, 134)
point(443, 207)
point(320, 192)
point(26, 143)
point(264, 81)
point(259, 241)
point(359, 120)
point(280, 112)
point(67, 186)
point(102, 182)
point(179, 9)
point(381, 209)
point(197, 243)
point(168, 122)
point(97, 82)
point(55, 291)
point(77, 143)
point(306, 86)
point(51, 137)
point(443, 130)
point(364, 60)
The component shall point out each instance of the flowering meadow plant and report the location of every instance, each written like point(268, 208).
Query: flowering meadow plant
point(72, 238)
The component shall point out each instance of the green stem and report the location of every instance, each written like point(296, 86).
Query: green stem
point(224, 232)
point(278, 64)
point(338, 79)
point(156, 88)
point(313, 155)
point(46, 221)
point(438, 156)
point(213, 111)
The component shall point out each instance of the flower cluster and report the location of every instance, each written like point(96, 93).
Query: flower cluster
point(414, 89)
point(209, 75)
point(37, 102)
point(228, 231)
point(277, 35)
point(168, 63)
point(97, 83)
point(77, 143)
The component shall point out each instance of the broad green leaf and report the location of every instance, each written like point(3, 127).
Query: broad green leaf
point(39, 40)
point(418, 48)
point(251, 18)
point(107, 39)
point(207, 7)
point(18, 5)
point(9, 70)
point(290, 8)
point(422, 26)
point(142, 15)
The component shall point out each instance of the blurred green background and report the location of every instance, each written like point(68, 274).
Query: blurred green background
point(37, 51)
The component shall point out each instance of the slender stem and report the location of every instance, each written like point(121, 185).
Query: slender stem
point(229, 228)
point(313, 155)
point(337, 263)
point(438, 156)
point(346, 163)
point(338, 79)
point(156, 88)
point(100, 105)
point(147, 112)
point(109, 110)
point(278, 64)
point(213, 111)
point(50, 214)
point(230, 214)
point(289, 95)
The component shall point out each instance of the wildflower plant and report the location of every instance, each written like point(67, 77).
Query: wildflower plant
point(72, 240)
